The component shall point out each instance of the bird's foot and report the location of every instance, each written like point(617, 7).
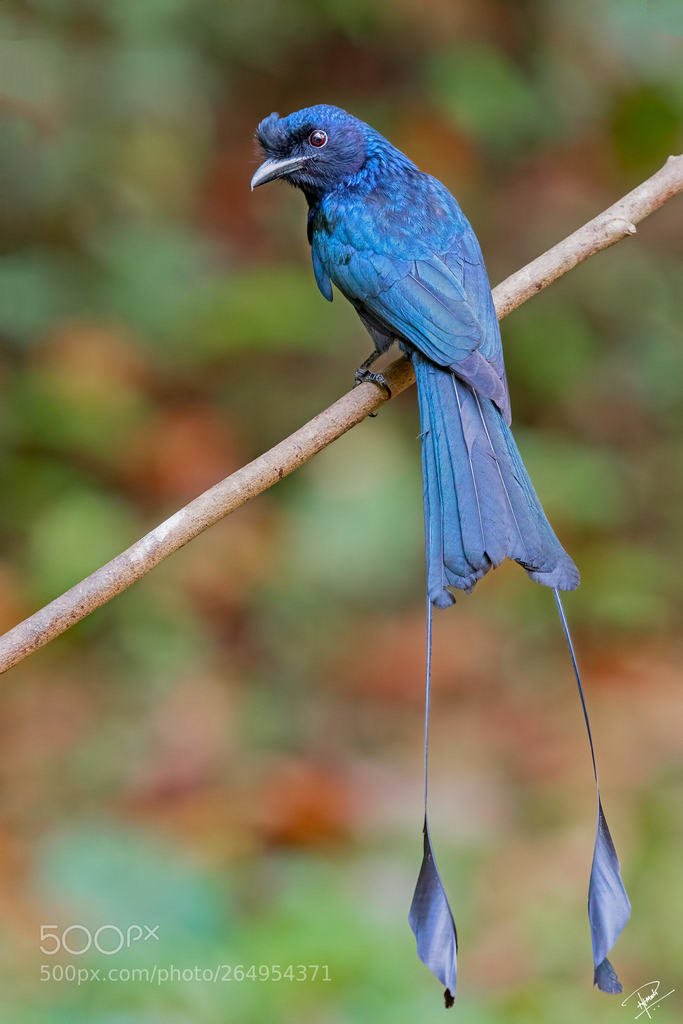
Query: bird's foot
point(363, 375)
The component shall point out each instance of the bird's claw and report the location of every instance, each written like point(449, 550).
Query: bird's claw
point(363, 376)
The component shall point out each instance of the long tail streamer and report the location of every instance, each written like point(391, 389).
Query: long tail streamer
point(430, 914)
point(608, 904)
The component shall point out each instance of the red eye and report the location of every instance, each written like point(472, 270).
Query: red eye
point(318, 138)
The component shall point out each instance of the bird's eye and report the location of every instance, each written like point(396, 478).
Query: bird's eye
point(318, 138)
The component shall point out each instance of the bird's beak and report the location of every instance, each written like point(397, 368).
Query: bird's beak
point(273, 168)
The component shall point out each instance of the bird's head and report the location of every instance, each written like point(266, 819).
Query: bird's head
point(314, 149)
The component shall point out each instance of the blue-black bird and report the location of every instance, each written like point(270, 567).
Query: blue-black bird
point(395, 243)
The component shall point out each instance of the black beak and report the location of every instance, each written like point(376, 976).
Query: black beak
point(273, 168)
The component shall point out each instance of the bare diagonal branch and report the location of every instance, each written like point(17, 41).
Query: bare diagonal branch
point(111, 579)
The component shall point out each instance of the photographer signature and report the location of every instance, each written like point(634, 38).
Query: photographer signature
point(647, 997)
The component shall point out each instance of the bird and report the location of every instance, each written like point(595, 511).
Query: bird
point(396, 244)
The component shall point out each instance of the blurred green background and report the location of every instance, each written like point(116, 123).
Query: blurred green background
point(232, 750)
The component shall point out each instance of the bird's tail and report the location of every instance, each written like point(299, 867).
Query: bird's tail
point(480, 505)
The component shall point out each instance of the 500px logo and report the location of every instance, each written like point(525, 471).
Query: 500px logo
point(108, 939)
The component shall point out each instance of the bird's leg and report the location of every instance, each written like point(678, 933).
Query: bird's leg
point(363, 374)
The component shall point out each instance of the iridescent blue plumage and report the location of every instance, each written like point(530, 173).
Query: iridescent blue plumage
point(396, 244)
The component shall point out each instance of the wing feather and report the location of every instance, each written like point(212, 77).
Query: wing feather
point(426, 285)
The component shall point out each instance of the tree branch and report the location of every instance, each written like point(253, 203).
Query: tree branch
point(219, 501)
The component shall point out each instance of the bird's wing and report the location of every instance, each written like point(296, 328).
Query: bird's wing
point(439, 302)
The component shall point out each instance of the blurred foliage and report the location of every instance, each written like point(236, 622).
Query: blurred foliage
point(232, 750)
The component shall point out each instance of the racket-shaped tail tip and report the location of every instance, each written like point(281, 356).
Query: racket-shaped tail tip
point(608, 905)
point(432, 923)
